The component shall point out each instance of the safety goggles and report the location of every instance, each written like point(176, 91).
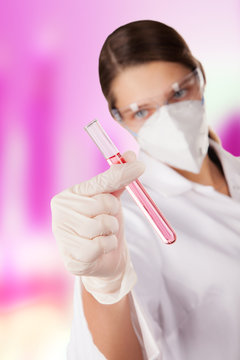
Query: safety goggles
point(189, 88)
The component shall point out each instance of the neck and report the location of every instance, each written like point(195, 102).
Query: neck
point(209, 175)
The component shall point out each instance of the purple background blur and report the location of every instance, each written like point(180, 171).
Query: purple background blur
point(49, 90)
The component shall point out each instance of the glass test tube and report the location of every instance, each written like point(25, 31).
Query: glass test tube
point(135, 188)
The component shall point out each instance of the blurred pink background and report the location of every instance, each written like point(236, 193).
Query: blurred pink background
point(49, 90)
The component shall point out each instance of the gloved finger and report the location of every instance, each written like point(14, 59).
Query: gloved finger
point(106, 204)
point(82, 268)
point(129, 156)
point(115, 178)
point(81, 256)
point(68, 202)
point(86, 227)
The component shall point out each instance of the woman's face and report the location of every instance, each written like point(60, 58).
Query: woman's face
point(150, 80)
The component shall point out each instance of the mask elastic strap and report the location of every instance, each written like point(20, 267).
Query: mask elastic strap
point(131, 131)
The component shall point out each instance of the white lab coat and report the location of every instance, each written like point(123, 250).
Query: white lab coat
point(187, 298)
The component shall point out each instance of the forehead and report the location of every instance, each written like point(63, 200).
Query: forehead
point(146, 80)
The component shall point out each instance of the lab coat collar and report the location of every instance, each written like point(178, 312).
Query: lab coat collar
point(168, 182)
point(231, 168)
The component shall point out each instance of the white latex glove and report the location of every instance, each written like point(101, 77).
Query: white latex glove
point(87, 223)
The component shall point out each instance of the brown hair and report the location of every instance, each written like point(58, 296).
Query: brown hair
point(140, 42)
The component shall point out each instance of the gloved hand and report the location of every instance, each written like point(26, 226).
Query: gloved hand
point(87, 223)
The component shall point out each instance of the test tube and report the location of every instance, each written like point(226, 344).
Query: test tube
point(135, 188)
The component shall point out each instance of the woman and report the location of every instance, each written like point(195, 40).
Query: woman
point(136, 298)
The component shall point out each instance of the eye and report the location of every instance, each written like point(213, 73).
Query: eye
point(145, 113)
point(179, 94)
point(116, 115)
point(141, 114)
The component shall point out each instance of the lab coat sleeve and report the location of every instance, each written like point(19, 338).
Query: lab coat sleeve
point(81, 345)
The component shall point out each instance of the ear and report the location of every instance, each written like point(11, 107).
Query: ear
point(213, 135)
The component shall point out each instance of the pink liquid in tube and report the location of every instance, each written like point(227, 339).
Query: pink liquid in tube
point(135, 188)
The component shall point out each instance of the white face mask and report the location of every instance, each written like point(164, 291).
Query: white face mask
point(177, 134)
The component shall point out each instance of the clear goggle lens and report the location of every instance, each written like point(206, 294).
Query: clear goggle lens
point(189, 88)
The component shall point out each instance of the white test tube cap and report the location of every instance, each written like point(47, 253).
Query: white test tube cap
point(101, 139)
